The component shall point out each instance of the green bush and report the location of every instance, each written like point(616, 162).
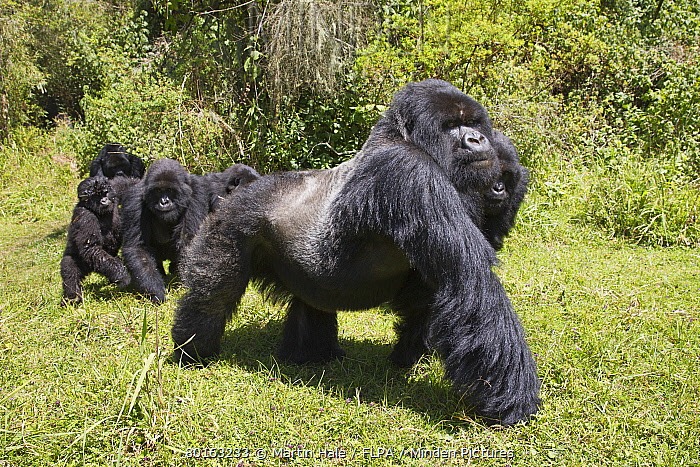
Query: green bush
point(20, 79)
point(154, 118)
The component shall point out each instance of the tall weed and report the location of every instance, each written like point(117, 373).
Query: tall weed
point(641, 201)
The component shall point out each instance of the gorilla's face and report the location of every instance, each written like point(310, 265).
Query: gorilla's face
point(512, 180)
point(167, 191)
point(97, 195)
point(165, 204)
point(454, 129)
point(116, 165)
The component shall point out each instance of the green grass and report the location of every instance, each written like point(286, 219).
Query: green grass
point(614, 328)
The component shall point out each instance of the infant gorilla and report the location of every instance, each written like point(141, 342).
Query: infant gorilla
point(94, 238)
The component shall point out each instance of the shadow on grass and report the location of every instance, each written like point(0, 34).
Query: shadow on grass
point(364, 375)
point(101, 290)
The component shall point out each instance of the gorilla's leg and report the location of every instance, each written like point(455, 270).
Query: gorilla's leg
point(72, 275)
point(112, 268)
point(215, 287)
point(413, 309)
point(411, 331)
point(310, 335)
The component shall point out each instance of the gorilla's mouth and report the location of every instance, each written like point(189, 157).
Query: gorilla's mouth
point(483, 163)
point(477, 162)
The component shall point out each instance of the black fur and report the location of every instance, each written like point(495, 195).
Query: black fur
point(94, 237)
point(114, 161)
point(503, 198)
point(397, 224)
point(221, 184)
point(161, 215)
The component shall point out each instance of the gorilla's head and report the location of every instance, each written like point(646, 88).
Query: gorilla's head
point(114, 161)
point(97, 195)
point(238, 175)
point(511, 186)
point(451, 127)
point(167, 190)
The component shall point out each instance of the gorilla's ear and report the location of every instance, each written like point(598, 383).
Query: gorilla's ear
point(403, 125)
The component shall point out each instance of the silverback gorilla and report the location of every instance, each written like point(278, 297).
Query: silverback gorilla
point(94, 238)
point(398, 224)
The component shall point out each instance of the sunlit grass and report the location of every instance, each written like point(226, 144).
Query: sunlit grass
point(614, 329)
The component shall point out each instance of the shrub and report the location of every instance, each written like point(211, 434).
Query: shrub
point(154, 118)
point(20, 79)
point(642, 202)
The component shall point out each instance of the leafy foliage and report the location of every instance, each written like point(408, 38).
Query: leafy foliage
point(584, 89)
point(20, 79)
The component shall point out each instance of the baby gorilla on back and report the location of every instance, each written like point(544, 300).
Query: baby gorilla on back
point(94, 238)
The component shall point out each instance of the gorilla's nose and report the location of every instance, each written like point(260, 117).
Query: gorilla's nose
point(475, 142)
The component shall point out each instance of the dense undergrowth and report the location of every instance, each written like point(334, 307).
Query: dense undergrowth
point(601, 98)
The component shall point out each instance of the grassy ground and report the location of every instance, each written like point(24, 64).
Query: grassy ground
point(615, 330)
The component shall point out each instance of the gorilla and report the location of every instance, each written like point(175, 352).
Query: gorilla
point(113, 161)
point(162, 213)
point(221, 184)
point(398, 224)
point(94, 237)
point(503, 199)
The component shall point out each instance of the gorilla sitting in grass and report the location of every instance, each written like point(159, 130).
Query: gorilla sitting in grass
point(94, 238)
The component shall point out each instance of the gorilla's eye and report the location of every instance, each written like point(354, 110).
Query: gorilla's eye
point(499, 187)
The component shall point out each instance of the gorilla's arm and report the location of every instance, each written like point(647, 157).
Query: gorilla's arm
point(196, 212)
point(96, 167)
point(87, 240)
point(474, 327)
point(139, 258)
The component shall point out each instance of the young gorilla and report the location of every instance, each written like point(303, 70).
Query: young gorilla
point(114, 161)
point(222, 184)
point(94, 238)
point(396, 225)
point(502, 200)
point(161, 215)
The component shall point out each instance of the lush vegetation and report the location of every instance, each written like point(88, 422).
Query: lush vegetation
point(608, 91)
point(602, 100)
